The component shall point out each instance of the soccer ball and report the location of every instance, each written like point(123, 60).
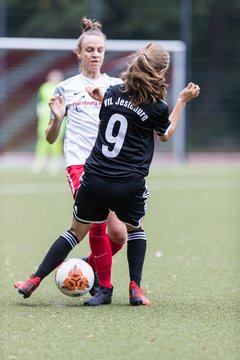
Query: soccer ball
point(74, 277)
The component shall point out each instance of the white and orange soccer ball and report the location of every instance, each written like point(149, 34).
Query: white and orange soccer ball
point(74, 277)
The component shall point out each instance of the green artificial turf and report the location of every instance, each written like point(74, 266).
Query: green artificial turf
point(191, 273)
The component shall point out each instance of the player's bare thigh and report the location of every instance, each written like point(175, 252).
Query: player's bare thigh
point(117, 230)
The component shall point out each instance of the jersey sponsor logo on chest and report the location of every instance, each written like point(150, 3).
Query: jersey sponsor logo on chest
point(79, 105)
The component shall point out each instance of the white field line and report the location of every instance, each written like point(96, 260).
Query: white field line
point(203, 184)
point(40, 188)
point(154, 185)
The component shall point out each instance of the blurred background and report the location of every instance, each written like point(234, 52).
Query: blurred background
point(210, 29)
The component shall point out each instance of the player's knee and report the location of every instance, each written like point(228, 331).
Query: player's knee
point(118, 235)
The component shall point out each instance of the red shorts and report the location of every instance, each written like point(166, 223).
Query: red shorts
point(74, 173)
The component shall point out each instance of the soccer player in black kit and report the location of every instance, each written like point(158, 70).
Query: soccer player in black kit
point(115, 172)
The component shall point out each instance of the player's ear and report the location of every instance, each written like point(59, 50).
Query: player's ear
point(79, 55)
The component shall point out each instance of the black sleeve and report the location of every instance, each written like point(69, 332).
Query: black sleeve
point(102, 106)
point(160, 120)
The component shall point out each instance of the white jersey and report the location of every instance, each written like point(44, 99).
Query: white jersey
point(82, 113)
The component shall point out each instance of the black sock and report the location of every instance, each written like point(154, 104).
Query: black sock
point(56, 254)
point(136, 249)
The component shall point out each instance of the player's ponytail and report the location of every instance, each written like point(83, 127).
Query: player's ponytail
point(88, 24)
point(144, 79)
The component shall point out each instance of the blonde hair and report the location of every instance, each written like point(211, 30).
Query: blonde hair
point(89, 27)
point(144, 79)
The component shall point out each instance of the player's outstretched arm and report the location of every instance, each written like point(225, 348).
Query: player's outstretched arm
point(57, 106)
point(187, 94)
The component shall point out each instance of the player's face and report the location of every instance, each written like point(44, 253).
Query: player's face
point(92, 55)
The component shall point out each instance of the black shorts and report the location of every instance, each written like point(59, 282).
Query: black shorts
point(96, 196)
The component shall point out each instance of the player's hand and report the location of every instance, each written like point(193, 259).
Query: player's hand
point(57, 106)
point(190, 92)
point(95, 93)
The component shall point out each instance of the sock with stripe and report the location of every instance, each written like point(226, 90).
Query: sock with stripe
point(136, 249)
point(56, 254)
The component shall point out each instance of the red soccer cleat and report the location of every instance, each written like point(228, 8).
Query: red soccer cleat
point(136, 295)
point(27, 287)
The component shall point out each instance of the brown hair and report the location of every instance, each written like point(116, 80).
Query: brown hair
point(89, 27)
point(144, 79)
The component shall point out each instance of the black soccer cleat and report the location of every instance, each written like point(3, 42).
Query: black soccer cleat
point(96, 286)
point(103, 297)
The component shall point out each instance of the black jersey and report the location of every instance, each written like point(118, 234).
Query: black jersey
point(125, 142)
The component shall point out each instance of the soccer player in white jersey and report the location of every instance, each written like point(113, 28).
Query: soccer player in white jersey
point(82, 112)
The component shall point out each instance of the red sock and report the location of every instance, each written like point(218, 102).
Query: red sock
point(115, 247)
point(101, 253)
point(96, 230)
